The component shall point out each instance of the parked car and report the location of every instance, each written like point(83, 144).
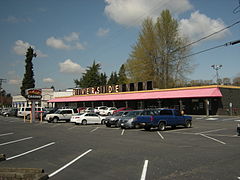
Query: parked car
point(81, 109)
point(89, 109)
point(4, 110)
point(61, 115)
point(48, 111)
point(164, 118)
point(25, 111)
point(113, 119)
point(10, 112)
point(108, 111)
point(127, 121)
point(100, 109)
point(122, 109)
point(88, 118)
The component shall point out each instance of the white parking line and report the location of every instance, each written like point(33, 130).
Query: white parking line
point(65, 166)
point(160, 135)
point(15, 141)
point(72, 127)
point(6, 134)
point(211, 131)
point(19, 155)
point(144, 171)
point(212, 138)
point(94, 129)
point(122, 132)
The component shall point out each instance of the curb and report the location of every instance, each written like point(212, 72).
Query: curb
point(23, 174)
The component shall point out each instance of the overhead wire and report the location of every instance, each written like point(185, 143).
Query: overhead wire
point(206, 37)
point(215, 47)
point(237, 9)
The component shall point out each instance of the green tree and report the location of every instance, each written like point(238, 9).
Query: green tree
point(159, 54)
point(122, 77)
point(103, 79)
point(140, 65)
point(91, 78)
point(113, 80)
point(28, 80)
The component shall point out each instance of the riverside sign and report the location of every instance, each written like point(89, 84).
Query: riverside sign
point(96, 90)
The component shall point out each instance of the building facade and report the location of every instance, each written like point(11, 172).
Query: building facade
point(202, 100)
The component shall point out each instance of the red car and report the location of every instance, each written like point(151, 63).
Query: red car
point(122, 109)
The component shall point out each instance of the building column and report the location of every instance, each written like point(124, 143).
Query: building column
point(207, 107)
point(126, 103)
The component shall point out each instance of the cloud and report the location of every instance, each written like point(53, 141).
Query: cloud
point(14, 82)
point(69, 42)
point(48, 80)
point(70, 67)
point(132, 12)
point(102, 32)
point(56, 43)
point(21, 47)
point(199, 25)
point(14, 79)
point(13, 19)
point(72, 37)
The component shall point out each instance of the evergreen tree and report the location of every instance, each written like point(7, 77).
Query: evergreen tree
point(122, 77)
point(28, 80)
point(103, 79)
point(91, 78)
point(113, 80)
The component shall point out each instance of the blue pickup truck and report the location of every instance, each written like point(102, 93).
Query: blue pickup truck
point(165, 117)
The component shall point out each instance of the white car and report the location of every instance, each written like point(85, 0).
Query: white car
point(88, 118)
point(61, 115)
point(100, 109)
point(108, 111)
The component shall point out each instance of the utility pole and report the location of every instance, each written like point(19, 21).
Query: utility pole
point(1, 81)
point(217, 67)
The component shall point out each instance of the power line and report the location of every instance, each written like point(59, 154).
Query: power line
point(237, 9)
point(215, 47)
point(205, 37)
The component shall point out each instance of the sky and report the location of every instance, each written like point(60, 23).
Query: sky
point(68, 35)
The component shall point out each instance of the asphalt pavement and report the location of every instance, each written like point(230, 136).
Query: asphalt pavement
point(208, 150)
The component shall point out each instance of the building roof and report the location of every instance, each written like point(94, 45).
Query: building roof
point(176, 93)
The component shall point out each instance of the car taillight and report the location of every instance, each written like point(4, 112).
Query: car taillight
point(151, 118)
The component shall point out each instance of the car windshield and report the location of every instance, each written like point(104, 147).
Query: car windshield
point(58, 111)
point(133, 113)
point(120, 113)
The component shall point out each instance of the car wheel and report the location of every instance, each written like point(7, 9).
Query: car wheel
point(55, 120)
point(76, 123)
point(28, 117)
point(109, 114)
point(136, 126)
point(188, 124)
point(103, 121)
point(108, 125)
point(7, 115)
point(84, 122)
point(161, 126)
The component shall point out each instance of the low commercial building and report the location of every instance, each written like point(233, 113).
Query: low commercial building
point(204, 100)
point(20, 101)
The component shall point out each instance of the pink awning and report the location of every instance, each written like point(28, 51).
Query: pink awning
point(160, 94)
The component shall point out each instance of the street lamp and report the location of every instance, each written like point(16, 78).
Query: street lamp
point(217, 67)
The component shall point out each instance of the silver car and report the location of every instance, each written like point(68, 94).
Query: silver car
point(126, 122)
point(113, 119)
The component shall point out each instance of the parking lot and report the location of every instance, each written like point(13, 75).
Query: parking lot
point(208, 150)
